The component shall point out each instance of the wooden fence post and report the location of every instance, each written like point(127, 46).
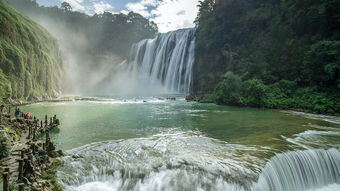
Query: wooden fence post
point(45, 120)
point(21, 187)
point(21, 168)
point(29, 132)
point(34, 134)
point(5, 181)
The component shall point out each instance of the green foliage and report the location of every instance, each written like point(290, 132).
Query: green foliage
point(288, 49)
point(252, 92)
point(27, 51)
point(233, 91)
point(284, 94)
point(4, 148)
point(51, 175)
point(228, 90)
point(207, 98)
point(323, 63)
point(14, 186)
point(5, 86)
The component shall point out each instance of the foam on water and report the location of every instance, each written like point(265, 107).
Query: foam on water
point(190, 161)
point(328, 118)
point(330, 187)
point(323, 136)
point(175, 161)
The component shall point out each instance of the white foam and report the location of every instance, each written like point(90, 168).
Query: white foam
point(167, 161)
point(94, 186)
point(330, 187)
point(328, 118)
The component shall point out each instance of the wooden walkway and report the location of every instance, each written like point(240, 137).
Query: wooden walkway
point(28, 155)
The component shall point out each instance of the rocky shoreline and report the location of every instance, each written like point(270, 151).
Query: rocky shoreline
point(56, 99)
point(31, 159)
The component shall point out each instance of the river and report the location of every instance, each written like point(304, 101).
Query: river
point(154, 143)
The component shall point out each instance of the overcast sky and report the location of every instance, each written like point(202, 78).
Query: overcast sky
point(169, 15)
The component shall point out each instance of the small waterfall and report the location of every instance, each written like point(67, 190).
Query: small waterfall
point(166, 60)
point(193, 162)
point(301, 170)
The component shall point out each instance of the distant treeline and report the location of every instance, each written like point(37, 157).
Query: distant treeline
point(270, 53)
point(107, 32)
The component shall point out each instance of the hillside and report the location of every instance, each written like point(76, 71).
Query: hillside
point(30, 61)
point(276, 54)
point(103, 31)
point(90, 44)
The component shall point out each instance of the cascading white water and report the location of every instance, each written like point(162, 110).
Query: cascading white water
point(166, 60)
point(301, 170)
point(190, 161)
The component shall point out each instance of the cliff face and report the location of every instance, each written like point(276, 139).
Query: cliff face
point(30, 61)
point(207, 72)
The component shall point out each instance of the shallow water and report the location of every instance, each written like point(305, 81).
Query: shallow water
point(153, 143)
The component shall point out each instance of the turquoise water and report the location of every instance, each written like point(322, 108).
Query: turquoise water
point(147, 143)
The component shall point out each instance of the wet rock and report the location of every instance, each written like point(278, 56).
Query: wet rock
point(77, 156)
point(55, 154)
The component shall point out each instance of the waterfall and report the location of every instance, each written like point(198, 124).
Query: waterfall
point(301, 170)
point(166, 60)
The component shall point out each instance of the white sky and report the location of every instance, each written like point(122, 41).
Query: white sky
point(169, 15)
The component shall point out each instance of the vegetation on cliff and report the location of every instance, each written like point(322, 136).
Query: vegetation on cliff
point(92, 46)
point(276, 54)
point(4, 147)
point(105, 32)
point(30, 61)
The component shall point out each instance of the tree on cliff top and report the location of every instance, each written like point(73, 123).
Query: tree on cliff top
point(66, 6)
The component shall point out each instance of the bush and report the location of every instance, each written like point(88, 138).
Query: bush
point(253, 92)
point(4, 148)
point(231, 90)
point(284, 94)
point(228, 90)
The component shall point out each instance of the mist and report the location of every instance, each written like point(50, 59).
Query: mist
point(83, 71)
point(104, 74)
point(116, 54)
point(95, 49)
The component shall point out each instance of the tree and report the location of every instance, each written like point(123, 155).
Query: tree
point(253, 92)
point(66, 6)
point(322, 63)
point(228, 90)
